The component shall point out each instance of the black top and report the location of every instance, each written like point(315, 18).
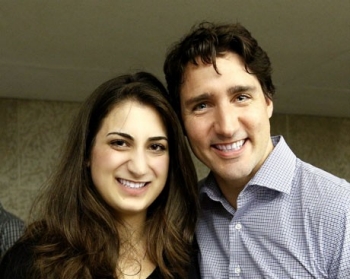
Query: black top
point(18, 260)
point(155, 274)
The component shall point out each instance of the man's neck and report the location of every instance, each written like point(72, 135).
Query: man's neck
point(231, 189)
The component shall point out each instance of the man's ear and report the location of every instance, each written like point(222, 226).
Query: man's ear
point(269, 107)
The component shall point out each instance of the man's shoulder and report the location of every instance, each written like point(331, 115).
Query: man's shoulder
point(324, 187)
point(314, 174)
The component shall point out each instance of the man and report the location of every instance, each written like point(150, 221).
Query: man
point(264, 212)
point(11, 228)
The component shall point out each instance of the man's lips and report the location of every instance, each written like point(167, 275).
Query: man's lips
point(230, 146)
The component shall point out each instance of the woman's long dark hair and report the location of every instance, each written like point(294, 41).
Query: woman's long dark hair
point(77, 236)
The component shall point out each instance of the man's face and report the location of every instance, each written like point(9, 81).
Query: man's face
point(226, 117)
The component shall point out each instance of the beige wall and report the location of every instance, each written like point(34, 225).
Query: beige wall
point(32, 133)
point(31, 136)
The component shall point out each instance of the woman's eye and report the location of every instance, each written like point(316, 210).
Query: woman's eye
point(119, 143)
point(157, 147)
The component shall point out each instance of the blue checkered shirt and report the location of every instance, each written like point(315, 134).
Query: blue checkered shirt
point(11, 228)
point(292, 221)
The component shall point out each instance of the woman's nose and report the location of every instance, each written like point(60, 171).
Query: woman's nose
point(137, 164)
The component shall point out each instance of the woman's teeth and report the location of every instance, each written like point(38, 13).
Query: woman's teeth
point(131, 184)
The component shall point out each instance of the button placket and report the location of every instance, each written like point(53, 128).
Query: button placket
point(235, 231)
point(237, 270)
point(238, 226)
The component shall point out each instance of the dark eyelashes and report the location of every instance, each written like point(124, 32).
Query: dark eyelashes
point(153, 146)
point(158, 147)
point(199, 106)
point(118, 142)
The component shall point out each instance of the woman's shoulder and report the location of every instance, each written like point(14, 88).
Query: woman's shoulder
point(192, 274)
point(155, 274)
point(18, 260)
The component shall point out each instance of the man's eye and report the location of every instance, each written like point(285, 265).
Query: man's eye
point(200, 106)
point(242, 98)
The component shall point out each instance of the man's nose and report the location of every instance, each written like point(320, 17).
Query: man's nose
point(225, 121)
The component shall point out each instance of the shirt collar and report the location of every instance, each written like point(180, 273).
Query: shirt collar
point(276, 173)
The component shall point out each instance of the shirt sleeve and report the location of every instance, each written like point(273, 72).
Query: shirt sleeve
point(340, 267)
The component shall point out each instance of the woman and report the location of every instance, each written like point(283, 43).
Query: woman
point(123, 200)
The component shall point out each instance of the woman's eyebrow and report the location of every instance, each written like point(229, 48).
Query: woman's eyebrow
point(158, 138)
point(124, 135)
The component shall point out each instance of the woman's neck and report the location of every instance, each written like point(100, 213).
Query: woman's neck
point(133, 229)
point(133, 259)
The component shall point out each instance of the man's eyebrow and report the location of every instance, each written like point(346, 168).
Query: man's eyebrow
point(240, 89)
point(197, 99)
point(205, 96)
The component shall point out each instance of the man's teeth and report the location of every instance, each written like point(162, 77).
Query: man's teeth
point(130, 184)
point(228, 147)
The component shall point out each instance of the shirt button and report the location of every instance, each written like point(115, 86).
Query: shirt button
point(237, 270)
point(238, 226)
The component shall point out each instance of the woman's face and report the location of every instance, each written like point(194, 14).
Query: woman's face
point(130, 158)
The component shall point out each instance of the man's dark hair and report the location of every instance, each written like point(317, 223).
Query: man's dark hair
point(207, 41)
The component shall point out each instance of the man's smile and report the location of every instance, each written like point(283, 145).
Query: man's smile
point(230, 147)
